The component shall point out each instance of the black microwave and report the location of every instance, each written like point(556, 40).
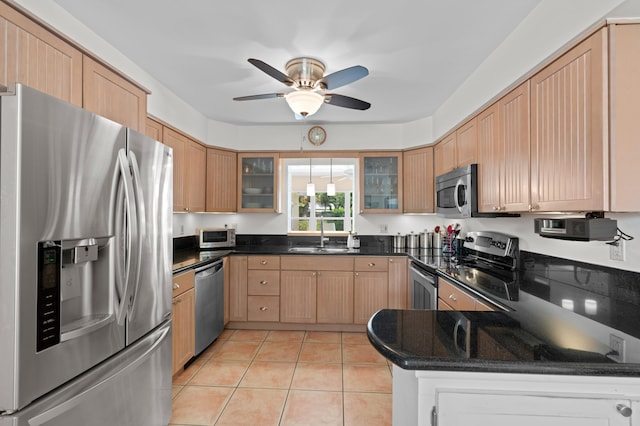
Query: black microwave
point(217, 237)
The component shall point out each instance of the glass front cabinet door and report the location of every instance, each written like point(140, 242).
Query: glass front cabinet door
point(381, 183)
point(257, 175)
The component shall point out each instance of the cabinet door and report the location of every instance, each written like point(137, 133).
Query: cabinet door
point(298, 296)
point(454, 296)
point(459, 408)
point(466, 144)
point(490, 159)
point(569, 138)
point(381, 183)
point(515, 186)
point(335, 297)
point(154, 129)
point(444, 155)
point(110, 95)
point(418, 180)
point(31, 55)
point(221, 180)
point(238, 288)
point(183, 337)
point(196, 178)
point(258, 182)
point(398, 284)
point(178, 143)
point(370, 295)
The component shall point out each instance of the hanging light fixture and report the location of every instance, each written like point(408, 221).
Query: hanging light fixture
point(304, 102)
point(311, 188)
point(331, 187)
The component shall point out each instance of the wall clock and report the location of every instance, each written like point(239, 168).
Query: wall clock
point(317, 135)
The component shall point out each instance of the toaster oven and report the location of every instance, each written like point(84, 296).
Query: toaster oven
point(217, 237)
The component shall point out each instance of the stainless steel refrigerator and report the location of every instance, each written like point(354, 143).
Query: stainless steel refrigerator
point(85, 261)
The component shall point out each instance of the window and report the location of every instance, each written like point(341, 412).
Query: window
point(304, 211)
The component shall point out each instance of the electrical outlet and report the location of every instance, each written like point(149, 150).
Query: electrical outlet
point(383, 229)
point(181, 229)
point(617, 346)
point(616, 252)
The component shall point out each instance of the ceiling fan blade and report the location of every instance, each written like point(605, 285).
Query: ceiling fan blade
point(346, 102)
point(254, 97)
point(345, 76)
point(268, 69)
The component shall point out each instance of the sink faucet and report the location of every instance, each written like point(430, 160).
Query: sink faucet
point(322, 237)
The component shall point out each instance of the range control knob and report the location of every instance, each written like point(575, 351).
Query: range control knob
point(468, 239)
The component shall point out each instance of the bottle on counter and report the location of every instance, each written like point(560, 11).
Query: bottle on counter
point(356, 240)
point(350, 240)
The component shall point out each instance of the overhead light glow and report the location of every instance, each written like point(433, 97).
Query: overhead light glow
point(304, 102)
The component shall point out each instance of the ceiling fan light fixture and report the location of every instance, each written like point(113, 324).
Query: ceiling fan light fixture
point(304, 102)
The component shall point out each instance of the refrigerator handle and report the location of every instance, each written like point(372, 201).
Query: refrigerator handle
point(130, 228)
point(139, 238)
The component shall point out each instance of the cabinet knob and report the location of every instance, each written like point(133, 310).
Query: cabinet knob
point(361, 211)
point(357, 274)
point(177, 301)
point(313, 274)
point(453, 297)
point(187, 209)
point(371, 264)
point(624, 410)
point(390, 260)
point(263, 262)
point(496, 208)
point(264, 282)
point(176, 286)
point(263, 308)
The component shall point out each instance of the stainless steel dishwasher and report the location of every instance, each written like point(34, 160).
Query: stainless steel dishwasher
point(209, 289)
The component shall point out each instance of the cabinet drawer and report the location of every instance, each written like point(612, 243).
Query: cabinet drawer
point(263, 283)
point(455, 297)
point(263, 308)
point(367, 263)
point(182, 282)
point(318, 262)
point(264, 262)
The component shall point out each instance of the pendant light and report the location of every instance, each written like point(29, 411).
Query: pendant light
point(331, 187)
point(311, 188)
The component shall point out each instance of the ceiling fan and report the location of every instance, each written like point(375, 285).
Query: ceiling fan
point(306, 76)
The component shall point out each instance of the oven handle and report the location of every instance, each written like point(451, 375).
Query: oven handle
point(455, 195)
point(430, 278)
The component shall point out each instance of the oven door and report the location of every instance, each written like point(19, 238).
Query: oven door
point(453, 194)
point(424, 288)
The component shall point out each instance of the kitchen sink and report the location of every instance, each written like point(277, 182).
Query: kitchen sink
point(319, 249)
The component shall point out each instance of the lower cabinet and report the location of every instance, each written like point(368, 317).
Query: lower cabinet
point(452, 297)
point(371, 287)
point(298, 296)
point(446, 398)
point(335, 297)
point(183, 318)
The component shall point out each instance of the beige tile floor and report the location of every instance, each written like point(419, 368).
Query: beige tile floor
point(254, 377)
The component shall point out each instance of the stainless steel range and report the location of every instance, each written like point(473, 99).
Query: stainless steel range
point(488, 263)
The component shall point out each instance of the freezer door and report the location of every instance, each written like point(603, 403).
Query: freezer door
point(57, 290)
point(132, 388)
point(152, 170)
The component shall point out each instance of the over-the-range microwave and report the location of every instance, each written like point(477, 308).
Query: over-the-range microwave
point(217, 237)
point(457, 194)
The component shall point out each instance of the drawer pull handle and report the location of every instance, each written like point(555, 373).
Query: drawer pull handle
point(371, 264)
point(263, 262)
point(624, 410)
point(263, 282)
point(263, 308)
point(176, 286)
point(452, 297)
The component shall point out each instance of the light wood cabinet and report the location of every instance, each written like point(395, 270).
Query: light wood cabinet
point(335, 297)
point(31, 55)
point(238, 288)
point(298, 296)
point(189, 171)
point(371, 287)
point(381, 183)
point(398, 283)
point(503, 154)
point(183, 319)
point(457, 149)
point(418, 180)
point(452, 297)
point(263, 288)
point(257, 182)
point(221, 180)
point(569, 164)
point(153, 129)
point(109, 94)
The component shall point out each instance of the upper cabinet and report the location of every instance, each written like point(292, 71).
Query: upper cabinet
point(258, 183)
point(110, 95)
point(457, 149)
point(569, 167)
point(189, 171)
point(153, 129)
point(31, 55)
point(221, 180)
point(418, 190)
point(381, 183)
point(503, 153)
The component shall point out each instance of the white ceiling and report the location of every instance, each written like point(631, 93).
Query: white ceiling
point(417, 51)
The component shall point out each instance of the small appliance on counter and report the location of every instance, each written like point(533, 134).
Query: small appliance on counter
point(213, 238)
point(577, 228)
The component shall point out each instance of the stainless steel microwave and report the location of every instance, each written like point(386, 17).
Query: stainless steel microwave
point(457, 192)
point(217, 237)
